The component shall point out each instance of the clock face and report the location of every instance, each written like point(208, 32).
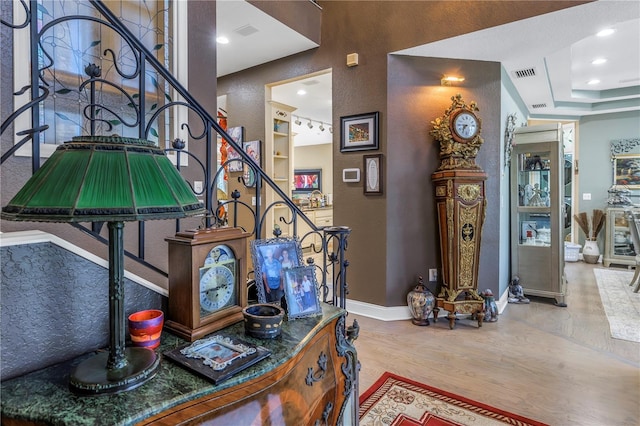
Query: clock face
point(465, 125)
point(218, 281)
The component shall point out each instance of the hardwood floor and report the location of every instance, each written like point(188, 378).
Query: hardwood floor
point(555, 365)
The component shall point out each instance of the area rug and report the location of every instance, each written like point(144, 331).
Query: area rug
point(397, 401)
point(621, 304)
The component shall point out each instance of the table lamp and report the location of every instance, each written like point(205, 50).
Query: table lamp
point(113, 180)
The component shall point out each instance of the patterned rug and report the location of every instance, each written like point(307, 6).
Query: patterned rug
point(397, 401)
point(621, 304)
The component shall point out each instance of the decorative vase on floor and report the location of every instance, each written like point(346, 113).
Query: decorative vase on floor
point(591, 251)
point(421, 302)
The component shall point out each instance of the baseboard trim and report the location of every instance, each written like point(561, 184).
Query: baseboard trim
point(399, 313)
point(37, 237)
point(382, 313)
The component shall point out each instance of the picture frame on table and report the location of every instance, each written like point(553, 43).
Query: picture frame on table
point(626, 170)
point(217, 357)
point(359, 132)
point(301, 292)
point(271, 257)
point(372, 174)
point(254, 149)
point(234, 163)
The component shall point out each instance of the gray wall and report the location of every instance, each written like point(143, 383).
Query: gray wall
point(595, 173)
point(55, 306)
point(511, 103)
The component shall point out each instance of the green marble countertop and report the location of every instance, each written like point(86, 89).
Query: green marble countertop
point(43, 396)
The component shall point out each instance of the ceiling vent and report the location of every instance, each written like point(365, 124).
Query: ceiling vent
point(536, 106)
point(527, 72)
point(246, 30)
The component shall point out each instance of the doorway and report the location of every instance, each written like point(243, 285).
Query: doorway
point(312, 127)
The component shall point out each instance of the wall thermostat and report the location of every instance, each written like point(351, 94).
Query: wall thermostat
point(351, 175)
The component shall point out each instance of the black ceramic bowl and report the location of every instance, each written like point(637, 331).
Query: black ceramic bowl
point(263, 320)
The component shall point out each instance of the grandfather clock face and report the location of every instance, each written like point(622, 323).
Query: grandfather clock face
point(218, 281)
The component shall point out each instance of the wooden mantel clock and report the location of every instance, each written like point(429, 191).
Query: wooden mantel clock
point(207, 280)
point(461, 208)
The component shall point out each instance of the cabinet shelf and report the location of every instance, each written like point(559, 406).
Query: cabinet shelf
point(278, 163)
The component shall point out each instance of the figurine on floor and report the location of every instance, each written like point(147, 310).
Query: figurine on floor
point(516, 293)
point(490, 306)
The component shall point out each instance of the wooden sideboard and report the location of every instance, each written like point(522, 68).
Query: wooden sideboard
point(311, 378)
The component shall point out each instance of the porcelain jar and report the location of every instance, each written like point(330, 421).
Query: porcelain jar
point(421, 303)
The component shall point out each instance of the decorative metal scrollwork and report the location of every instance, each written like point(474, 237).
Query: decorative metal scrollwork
point(324, 420)
point(316, 377)
point(622, 146)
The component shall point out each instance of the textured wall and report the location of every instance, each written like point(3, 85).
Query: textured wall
point(387, 26)
point(55, 306)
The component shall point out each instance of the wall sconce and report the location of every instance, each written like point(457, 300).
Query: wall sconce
point(448, 80)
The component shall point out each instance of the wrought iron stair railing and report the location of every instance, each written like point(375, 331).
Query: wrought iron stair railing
point(128, 107)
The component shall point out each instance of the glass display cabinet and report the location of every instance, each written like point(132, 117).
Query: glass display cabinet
point(619, 248)
point(537, 211)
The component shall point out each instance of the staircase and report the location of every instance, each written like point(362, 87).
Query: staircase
point(92, 75)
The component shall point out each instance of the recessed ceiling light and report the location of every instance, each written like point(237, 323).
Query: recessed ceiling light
point(222, 40)
point(605, 32)
point(302, 92)
point(594, 81)
point(599, 61)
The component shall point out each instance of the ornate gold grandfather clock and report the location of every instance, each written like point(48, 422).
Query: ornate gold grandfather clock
point(461, 207)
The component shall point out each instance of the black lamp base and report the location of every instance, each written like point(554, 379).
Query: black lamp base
point(92, 377)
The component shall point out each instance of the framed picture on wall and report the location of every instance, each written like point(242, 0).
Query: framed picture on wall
point(373, 174)
point(359, 132)
point(253, 148)
point(626, 170)
point(237, 134)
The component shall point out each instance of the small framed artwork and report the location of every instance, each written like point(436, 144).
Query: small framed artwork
point(233, 157)
point(301, 292)
point(529, 230)
point(218, 357)
point(359, 132)
point(307, 180)
point(626, 170)
point(373, 174)
point(253, 148)
point(271, 258)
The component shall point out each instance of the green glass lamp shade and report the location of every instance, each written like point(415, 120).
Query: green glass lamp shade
point(100, 179)
point(107, 179)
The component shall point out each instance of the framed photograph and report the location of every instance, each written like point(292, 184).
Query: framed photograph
point(270, 259)
point(253, 148)
point(301, 292)
point(237, 134)
point(308, 180)
point(529, 230)
point(626, 170)
point(217, 357)
point(359, 132)
point(373, 174)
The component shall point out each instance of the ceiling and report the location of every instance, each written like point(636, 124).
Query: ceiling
point(547, 58)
